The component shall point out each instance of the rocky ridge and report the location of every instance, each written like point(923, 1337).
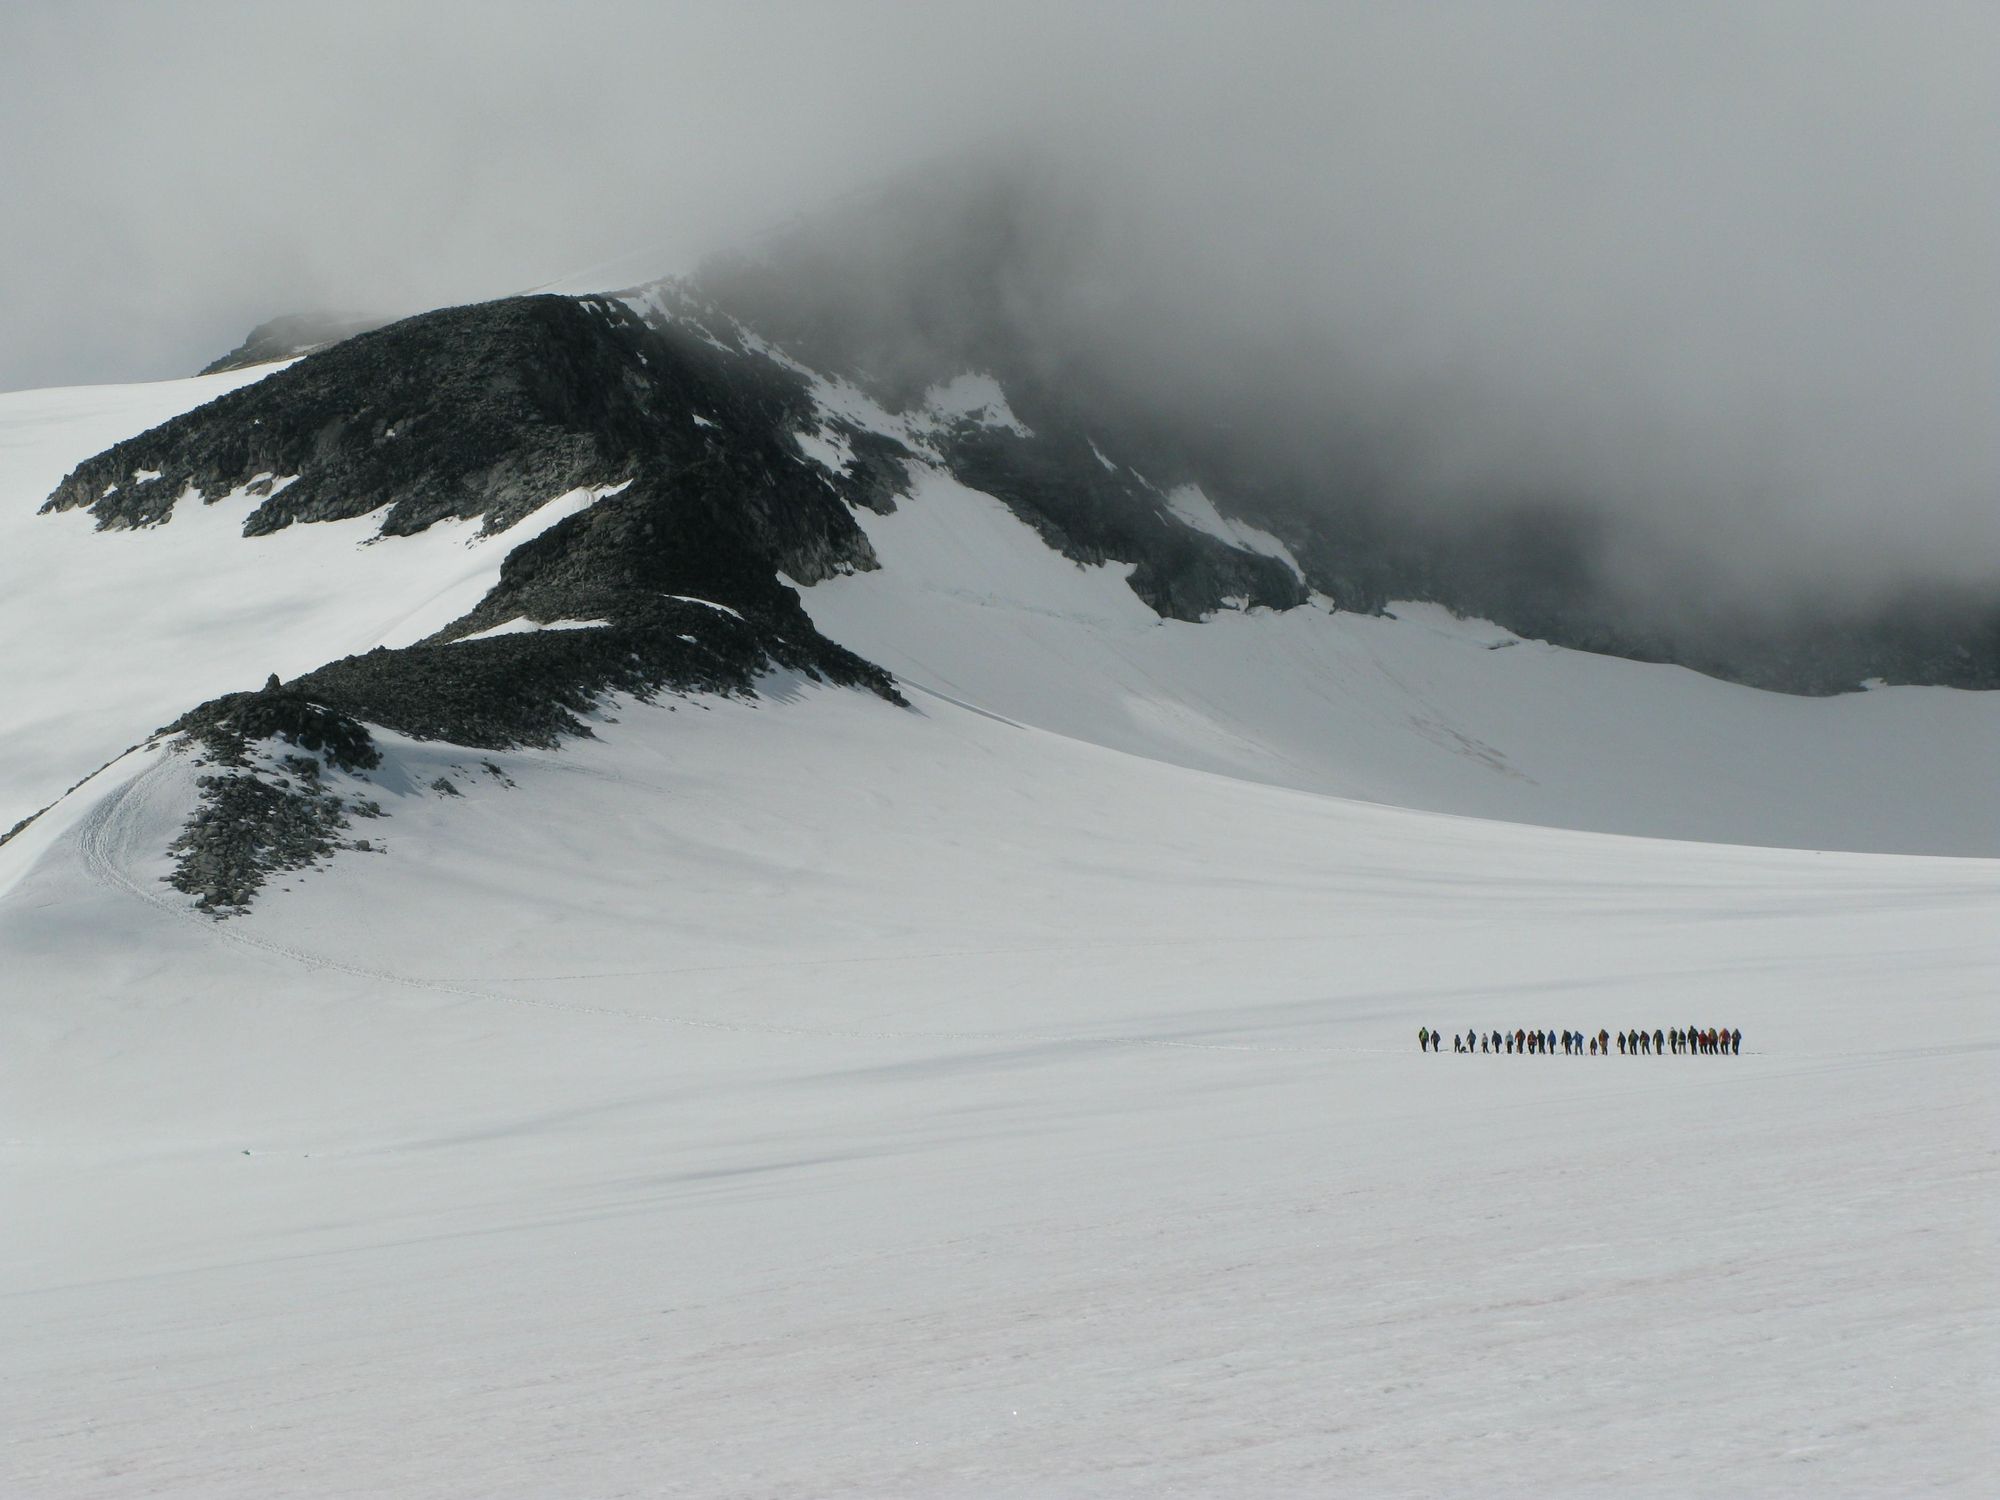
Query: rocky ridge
point(720, 473)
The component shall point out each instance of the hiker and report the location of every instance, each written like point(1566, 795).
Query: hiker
point(1423, 1039)
point(1621, 1044)
point(1593, 1046)
point(1735, 1043)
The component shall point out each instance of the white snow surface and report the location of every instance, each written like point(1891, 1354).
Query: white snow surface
point(1192, 506)
point(973, 396)
point(1422, 710)
point(813, 1096)
point(1015, 1094)
point(522, 625)
point(706, 604)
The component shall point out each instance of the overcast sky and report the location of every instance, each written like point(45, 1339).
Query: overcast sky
point(1752, 252)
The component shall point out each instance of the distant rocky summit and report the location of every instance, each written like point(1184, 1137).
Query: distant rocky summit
point(287, 338)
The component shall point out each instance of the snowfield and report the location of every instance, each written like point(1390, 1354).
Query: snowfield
point(1420, 710)
point(1016, 1094)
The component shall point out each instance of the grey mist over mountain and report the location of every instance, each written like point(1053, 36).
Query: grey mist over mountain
point(1666, 332)
point(1731, 516)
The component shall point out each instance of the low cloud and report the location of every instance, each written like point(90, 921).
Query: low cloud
point(1722, 276)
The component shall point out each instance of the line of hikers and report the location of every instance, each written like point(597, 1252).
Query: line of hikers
point(1713, 1040)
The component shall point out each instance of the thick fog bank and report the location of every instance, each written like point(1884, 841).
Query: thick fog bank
point(1629, 462)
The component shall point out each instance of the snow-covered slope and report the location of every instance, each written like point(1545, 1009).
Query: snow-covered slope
point(815, 1095)
point(1014, 1093)
point(1419, 710)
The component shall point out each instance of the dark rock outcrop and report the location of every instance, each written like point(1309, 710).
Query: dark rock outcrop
point(246, 829)
point(263, 810)
point(1094, 514)
point(486, 411)
point(228, 726)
